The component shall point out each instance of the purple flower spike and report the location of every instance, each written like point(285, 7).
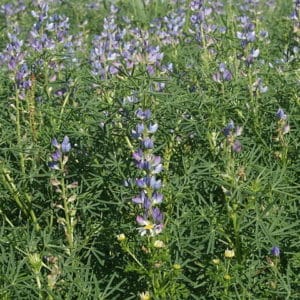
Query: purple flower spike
point(148, 198)
point(65, 145)
point(275, 251)
point(155, 160)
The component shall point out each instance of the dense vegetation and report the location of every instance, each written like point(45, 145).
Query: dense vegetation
point(149, 149)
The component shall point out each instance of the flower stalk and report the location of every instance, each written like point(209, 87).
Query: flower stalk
point(68, 198)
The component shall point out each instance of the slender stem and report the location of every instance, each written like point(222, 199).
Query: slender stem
point(135, 258)
point(63, 109)
point(127, 139)
point(25, 207)
point(18, 129)
point(69, 228)
point(10, 185)
point(6, 219)
point(39, 285)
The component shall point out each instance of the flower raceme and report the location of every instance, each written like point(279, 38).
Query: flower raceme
point(149, 197)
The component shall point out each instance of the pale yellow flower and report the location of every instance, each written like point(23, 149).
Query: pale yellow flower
point(216, 261)
point(145, 296)
point(177, 266)
point(229, 253)
point(121, 237)
point(159, 244)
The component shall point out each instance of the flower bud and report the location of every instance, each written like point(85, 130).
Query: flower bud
point(121, 237)
point(229, 253)
point(159, 244)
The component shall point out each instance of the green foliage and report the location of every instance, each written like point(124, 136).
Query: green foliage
point(68, 228)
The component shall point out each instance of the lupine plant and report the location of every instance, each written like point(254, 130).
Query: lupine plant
point(67, 198)
point(149, 149)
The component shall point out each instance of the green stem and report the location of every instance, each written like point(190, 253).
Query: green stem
point(39, 285)
point(63, 109)
point(234, 218)
point(6, 219)
point(10, 185)
point(23, 205)
point(69, 227)
point(136, 260)
point(18, 129)
point(129, 144)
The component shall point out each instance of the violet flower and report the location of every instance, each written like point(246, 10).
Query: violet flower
point(275, 251)
point(227, 130)
point(65, 145)
point(280, 114)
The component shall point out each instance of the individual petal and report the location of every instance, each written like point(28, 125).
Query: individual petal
point(141, 221)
